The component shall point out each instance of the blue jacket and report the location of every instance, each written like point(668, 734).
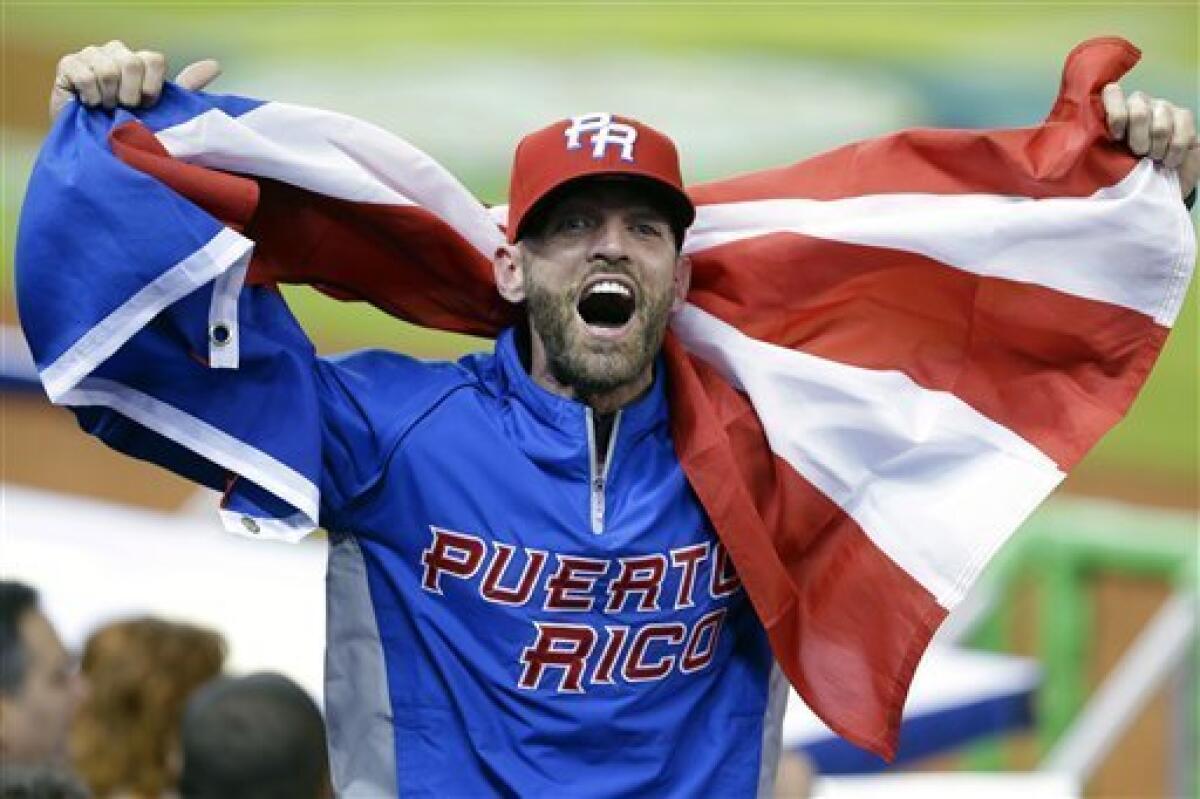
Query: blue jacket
point(512, 614)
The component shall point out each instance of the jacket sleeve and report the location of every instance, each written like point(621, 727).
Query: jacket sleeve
point(135, 304)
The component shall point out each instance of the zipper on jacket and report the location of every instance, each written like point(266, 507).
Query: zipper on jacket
point(597, 475)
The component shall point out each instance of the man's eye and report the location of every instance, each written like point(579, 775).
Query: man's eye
point(648, 229)
point(570, 224)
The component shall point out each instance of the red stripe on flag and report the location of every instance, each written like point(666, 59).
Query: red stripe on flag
point(403, 259)
point(230, 198)
point(999, 345)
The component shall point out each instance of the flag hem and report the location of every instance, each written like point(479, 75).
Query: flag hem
point(222, 252)
point(218, 447)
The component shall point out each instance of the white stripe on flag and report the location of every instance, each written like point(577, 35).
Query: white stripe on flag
point(936, 485)
point(335, 155)
point(1130, 244)
point(225, 251)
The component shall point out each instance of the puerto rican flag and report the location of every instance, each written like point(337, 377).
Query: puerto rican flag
point(891, 353)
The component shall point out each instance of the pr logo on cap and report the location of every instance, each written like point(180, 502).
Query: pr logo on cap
point(597, 145)
point(604, 132)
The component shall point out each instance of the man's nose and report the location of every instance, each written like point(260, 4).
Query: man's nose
point(609, 242)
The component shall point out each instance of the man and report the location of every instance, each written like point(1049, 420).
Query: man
point(525, 595)
point(40, 687)
point(253, 737)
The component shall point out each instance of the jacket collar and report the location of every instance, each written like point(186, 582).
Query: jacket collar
point(568, 415)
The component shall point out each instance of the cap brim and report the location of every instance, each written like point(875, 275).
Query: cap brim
point(675, 204)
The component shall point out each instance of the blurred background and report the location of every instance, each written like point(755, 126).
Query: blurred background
point(740, 87)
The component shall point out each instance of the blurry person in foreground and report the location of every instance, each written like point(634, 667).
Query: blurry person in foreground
point(259, 737)
point(39, 782)
point(40, 688)
point(141, 673)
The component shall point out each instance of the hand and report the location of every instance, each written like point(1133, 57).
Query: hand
point(112, 75)
point(1155, 128)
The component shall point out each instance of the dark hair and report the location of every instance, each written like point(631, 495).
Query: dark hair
point(259, 736)
point(16, 599)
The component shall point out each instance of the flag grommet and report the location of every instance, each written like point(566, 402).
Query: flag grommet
point(219, 334)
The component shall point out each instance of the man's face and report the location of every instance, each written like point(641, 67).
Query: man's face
point(601, 275)
point(34, 722)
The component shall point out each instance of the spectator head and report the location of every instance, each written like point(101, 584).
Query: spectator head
point(259, 736)
point(140, 673)
point(40, 688)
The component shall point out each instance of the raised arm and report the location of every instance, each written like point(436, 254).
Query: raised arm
point(146, 319)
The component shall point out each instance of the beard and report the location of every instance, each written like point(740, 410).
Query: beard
point(595, 368)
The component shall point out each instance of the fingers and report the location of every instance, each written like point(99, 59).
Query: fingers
point(1116, 111)
point(1155, 128)
point(1145, 123)
point(1183, 138)
point(1137, 133)
point(109, 76)
point(130, 70)
point(75, 76)
point(198, 75)
point(1162, 126)
point(154, 75)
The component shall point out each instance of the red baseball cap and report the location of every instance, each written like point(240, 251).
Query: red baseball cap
point(595, 145)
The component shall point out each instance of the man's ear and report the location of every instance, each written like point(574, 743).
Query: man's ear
point(683, 281)
point(510, 275)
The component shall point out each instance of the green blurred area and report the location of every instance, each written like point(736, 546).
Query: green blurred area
point(1001, 33)
point(992, 64)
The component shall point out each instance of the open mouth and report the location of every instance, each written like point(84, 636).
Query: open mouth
point(607, 304)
